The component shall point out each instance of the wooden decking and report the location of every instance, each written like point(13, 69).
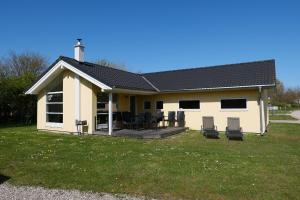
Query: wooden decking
point(147, 133)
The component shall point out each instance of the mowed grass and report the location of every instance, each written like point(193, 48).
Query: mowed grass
point(282, 117)
point(186, 166)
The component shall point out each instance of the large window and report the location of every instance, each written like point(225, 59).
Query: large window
point(189, 104)
point(54, 102)
point(159, 105)
point(233, 104)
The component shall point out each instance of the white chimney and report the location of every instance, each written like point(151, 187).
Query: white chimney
point(79, 51)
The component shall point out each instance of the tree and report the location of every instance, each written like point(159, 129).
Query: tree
point(107, 63)
point(25, 63)
point(282, 96)
point(17, 73)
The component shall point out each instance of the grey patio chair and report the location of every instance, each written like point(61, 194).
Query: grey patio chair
point(159, 117)
point(208, 127)
point(171, 118)
point(139, 121)
point(233, 129)
point(148, 120)
point(180, 118)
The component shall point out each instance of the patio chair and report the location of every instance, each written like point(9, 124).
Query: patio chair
point(119, 121)
point(208, 127)
point(233, 129)
point(127, 119)
point(159, 117)
point(180, 118)
point(139, 121)
point(171, 118)
point(148, 120)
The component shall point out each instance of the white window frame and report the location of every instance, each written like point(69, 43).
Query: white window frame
point(53, 124)
point(233, 109)
point(192, 109)
point(156, 105)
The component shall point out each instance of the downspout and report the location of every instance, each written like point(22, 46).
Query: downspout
point(77, 103)
point(262, 112)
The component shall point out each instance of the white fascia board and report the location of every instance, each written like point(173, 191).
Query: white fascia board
point(218, 88)
point(56, 69)
point(129, 91)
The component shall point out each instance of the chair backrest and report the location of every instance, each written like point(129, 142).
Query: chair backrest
point(233, 123)
point(181, 118)
point(118, 116)
point(140, 118)
point(208, 123)
point(148, 116)
point(171, 116)
point(126, 116)
point(159, 116)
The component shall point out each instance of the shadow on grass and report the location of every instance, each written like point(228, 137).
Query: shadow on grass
point(11, 125)
point(3, 178)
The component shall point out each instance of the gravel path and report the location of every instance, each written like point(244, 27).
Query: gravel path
point(296, 114)
point(10, 192)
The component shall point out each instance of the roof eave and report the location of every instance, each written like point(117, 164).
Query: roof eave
point(219, 88)
point(57, 68)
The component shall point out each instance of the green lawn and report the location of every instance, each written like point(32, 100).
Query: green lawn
point(281, 117)
point(186, 166)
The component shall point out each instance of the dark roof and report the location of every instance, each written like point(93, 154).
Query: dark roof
point(232, 75)
point(111, 77)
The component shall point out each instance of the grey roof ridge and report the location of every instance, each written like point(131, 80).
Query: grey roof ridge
point(151, 84)
point(209, 67)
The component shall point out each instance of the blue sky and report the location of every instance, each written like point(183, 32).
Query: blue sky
point(158, 35)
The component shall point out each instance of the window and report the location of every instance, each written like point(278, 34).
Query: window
point(54, 102)
point(189, 104)
point(159, 105)
point(102, 101)
point(55, 107)
point(233, 104)
point(147, 105)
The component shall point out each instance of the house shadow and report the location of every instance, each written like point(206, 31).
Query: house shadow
point(3, 178)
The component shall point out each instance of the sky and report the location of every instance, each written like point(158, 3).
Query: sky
point(152, 35)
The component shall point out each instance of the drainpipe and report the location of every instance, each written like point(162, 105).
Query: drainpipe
point(110, 113)
point(262, 112)
point(77, 102)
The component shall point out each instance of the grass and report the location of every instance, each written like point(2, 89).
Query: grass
point(282, 117)
point(186, 166)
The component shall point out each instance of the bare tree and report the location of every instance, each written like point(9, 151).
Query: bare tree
point(107, 63)
point(24, 63)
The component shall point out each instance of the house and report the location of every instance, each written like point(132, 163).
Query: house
point(72, 89)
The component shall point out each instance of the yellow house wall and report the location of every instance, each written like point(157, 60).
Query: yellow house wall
point(88, 105)
point(210, 106)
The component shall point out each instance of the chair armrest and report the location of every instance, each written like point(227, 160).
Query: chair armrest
point(201, 128)
point(216, 128)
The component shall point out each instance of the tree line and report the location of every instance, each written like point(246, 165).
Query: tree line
point(17, 73)
point(285, 97)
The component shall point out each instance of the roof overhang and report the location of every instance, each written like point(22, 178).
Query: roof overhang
point(55, 71)
point(220, 88)
point(131, 91)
